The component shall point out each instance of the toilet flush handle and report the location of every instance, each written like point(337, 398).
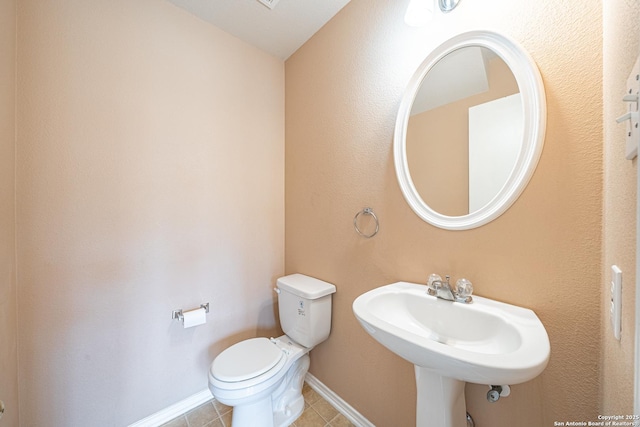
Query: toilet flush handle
point(277, 290)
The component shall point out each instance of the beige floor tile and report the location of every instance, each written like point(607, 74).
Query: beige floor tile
point(226, 418)
point(221, 407)
point(326, 411)
point(202, 415)
point(177, 422)
point(309, 394)
point(310, 418)
point(340, 421)
point(215, 423)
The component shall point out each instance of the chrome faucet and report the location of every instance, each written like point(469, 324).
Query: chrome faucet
point(442, 289)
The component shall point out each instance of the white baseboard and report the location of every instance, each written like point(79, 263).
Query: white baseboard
point(204, 396)
point(336, 401)
point(175, 410)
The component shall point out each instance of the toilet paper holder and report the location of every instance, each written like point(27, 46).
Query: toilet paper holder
point(177, 314)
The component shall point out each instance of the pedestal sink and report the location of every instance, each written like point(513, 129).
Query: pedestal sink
point(451, 343)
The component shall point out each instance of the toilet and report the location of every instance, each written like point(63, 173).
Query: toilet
point(261, 378)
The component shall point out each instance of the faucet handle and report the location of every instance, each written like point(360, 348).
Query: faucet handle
point(432, 283)
point(464, 289)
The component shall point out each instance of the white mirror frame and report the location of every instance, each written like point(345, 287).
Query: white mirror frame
point(531, 88)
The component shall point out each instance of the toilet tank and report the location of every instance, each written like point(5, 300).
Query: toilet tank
point(304, 304)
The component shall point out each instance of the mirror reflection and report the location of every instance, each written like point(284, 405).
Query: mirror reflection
point(465, 131)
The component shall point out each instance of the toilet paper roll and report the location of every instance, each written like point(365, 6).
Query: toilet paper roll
point(194, 317)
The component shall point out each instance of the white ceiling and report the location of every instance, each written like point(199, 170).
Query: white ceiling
point(279, 31)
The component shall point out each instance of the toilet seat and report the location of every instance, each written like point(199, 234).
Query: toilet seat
point(248, 359)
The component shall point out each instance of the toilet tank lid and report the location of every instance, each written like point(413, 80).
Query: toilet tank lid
point(305, 286)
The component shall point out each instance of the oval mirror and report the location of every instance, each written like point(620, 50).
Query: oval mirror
point(470, 130)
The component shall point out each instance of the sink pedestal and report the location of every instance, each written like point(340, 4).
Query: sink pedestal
point(440, 400)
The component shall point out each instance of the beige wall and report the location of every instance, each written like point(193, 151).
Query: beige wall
point(621, 48)
point(544, 253)
point(8, 303)
point(150, 178)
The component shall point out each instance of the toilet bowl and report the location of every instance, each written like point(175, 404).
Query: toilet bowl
point(262, 378)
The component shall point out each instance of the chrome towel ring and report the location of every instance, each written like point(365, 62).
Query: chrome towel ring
point(366, 211)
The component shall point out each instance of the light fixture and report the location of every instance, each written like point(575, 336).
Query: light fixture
point(448, 5)
point(420, 12)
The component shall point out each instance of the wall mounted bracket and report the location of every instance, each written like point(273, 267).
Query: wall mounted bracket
point(179, 314)
point(632, 117)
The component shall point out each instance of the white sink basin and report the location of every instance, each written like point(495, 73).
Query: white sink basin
point(486, 342)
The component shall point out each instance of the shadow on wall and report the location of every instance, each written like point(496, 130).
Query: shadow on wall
point(268, 325)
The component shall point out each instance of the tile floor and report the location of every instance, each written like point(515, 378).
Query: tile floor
point(317, 413)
